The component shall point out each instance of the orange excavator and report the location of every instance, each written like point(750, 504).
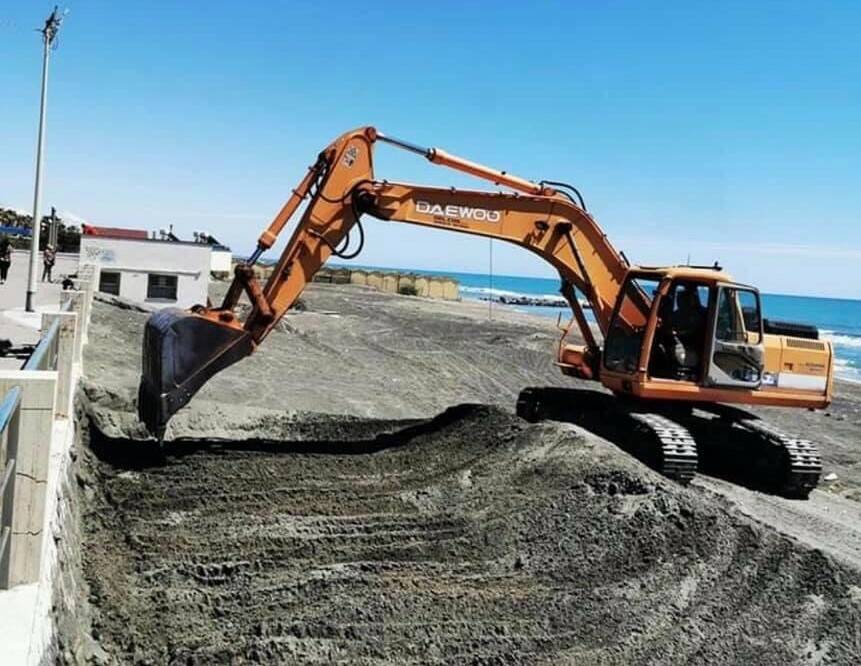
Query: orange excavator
point(677, 346)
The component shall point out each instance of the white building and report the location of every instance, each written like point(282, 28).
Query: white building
point(156, 272)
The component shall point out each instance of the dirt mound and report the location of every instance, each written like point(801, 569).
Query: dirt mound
point(471, 538)
point(113, 412)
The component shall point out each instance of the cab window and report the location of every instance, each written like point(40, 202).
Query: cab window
point(625, 337)
point(738, 316)
point(680, 339)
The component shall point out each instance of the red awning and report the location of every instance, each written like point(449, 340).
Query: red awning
point(114, 232)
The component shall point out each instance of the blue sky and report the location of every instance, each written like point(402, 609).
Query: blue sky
point(727, 131)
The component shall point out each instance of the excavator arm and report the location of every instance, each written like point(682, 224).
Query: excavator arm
point(183, 349)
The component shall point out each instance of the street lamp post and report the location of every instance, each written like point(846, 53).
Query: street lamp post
point(49, 36)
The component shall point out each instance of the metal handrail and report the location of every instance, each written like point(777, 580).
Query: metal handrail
point(39, 356)
point(4, 544)
point(10, 469)
point(37, 360)
point(11, 402)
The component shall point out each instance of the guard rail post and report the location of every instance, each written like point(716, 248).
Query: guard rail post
point(64, 342)
point(87, 282)
point(32, 446)
point(84, 286)
point(73, 301)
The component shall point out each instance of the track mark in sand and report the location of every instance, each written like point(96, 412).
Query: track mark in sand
point(824, 521)
point(473, 538)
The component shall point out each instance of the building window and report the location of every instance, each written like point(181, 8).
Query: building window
point(162, 287)
point(109, 282)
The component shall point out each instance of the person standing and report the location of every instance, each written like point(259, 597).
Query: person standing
point(5, 258)
point(48, 259)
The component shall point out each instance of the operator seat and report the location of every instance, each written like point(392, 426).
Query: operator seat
point(688, 323)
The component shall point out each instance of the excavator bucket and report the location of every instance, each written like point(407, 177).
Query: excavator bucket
point(181, 351)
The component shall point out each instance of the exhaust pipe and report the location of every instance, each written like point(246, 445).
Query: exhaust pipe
point(181, 351)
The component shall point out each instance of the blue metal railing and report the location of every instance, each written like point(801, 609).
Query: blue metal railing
point(45, 353)
point(9, 420)
point(44, 356)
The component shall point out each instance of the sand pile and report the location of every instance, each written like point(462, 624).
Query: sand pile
point(274, 532)
point(471, 538)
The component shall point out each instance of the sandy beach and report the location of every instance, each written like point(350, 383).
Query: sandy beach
point(360, 490)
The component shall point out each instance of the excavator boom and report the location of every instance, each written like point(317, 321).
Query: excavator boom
point(183, 349)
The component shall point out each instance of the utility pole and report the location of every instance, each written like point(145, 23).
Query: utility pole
point(49, 35)
point(490, 281)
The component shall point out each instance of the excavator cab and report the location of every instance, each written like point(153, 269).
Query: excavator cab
point(692, 327)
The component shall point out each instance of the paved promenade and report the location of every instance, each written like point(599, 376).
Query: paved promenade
point(16, 324)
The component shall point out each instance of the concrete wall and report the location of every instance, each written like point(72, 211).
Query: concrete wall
point(65, 635)
point(40, 438)
point(135, 260)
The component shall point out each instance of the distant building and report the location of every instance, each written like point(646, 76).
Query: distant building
point(222, 257)
point(114, 232)
point(159, 272)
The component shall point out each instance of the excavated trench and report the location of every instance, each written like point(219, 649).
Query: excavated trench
point(472, 537)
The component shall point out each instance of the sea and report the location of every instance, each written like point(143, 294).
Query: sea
point(837, 319)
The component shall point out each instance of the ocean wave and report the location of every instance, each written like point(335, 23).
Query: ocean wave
point(841, 339)
point(847, 370)
point(852, 375)
point(487, 291)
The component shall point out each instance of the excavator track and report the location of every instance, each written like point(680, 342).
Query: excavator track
point(802, 464)
point(655, 439)
point(719, 439)
point(738, 445)
point(678, 459)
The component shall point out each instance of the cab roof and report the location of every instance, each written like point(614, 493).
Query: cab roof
point(703, 273)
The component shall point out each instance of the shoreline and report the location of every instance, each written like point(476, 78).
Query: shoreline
point(550, 278)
